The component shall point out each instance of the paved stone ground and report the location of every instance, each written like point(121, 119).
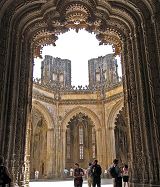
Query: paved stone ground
point(66, 183)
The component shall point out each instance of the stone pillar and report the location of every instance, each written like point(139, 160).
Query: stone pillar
point(50, 154)
point(103, 145)
point(110, 139)
point(60, 163)
point(153, 105)
point(57, 153)
point(27, 153)
point(99, 145)
point(135, 137)
point(127, 108)
point(103, 134)
point(62, 147)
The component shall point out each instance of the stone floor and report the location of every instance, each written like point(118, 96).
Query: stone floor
point(66, 183)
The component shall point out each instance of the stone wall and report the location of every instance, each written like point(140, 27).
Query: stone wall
point(101, 112)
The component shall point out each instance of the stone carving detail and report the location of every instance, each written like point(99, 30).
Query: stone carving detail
point(121, 137)
point(78, 16)
point(79, 88)
point(135, 121)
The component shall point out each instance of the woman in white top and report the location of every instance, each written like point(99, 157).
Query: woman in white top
point(125, 175)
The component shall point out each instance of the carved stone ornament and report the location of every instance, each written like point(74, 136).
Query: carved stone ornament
point(77, 16)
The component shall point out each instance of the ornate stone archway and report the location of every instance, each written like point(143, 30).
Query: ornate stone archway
point(45, 131)
point(84, 110)
point(113, 113)
point(131, 25)
point(96, 123)
point(40, 107)
point(121, 137)
point(111, 118)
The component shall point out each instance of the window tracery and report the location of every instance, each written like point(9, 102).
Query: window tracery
point(81, 142)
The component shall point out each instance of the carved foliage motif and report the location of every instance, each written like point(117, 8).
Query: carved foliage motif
point(79, 16)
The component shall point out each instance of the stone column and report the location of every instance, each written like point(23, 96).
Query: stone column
point(152, 89)
point(50, 154)
point(99, 145)
point(63, 151)
point(110, 139)
point(57, 153)
point(27, 152)
point(103, 134)
point(135, 131)
point(60, 156)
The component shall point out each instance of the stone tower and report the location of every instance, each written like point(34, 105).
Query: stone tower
point(103, 70)
point(56, 71)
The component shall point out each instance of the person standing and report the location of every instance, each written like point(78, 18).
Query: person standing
point(89, 175)
point(125, 175)
point(71, 172)
point(96, 172)
point(78, 173)
point(115, 173)
point(5, 177)
point(36, 174)
point(65, 172)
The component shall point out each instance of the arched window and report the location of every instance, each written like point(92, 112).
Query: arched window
point(81, 145)
point(54, 76)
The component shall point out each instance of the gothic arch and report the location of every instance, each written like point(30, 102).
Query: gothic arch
point(84, 110)
point(98, 127)
point(113, 114)
point(42, 109)
point(110, 135)
point(45, 169)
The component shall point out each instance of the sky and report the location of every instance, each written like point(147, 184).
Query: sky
point(79, 48)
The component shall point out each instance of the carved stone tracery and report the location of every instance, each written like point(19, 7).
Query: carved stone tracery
point(79, 16)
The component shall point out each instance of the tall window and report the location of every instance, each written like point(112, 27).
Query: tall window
point(61, 77)
point(97, 77)
point(68, 144)
point(54, 76)
point(81, 146)
point(93, 143)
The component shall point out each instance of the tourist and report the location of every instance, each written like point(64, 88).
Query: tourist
point(71, 172)
point(65, 172)
point(5, 177)
point(115, 173)
point(89, 175)
point(36, 174)
point(96, 172)
point(125, 175)
point(105, 173)
point(78, 173)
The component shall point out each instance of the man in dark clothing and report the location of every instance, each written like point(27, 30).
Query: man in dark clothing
point(115, 173)
point(96, 174)
point(78, 173)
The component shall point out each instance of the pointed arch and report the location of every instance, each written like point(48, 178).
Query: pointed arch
point(113, 113)
point(42, 109)
point(85, 111)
